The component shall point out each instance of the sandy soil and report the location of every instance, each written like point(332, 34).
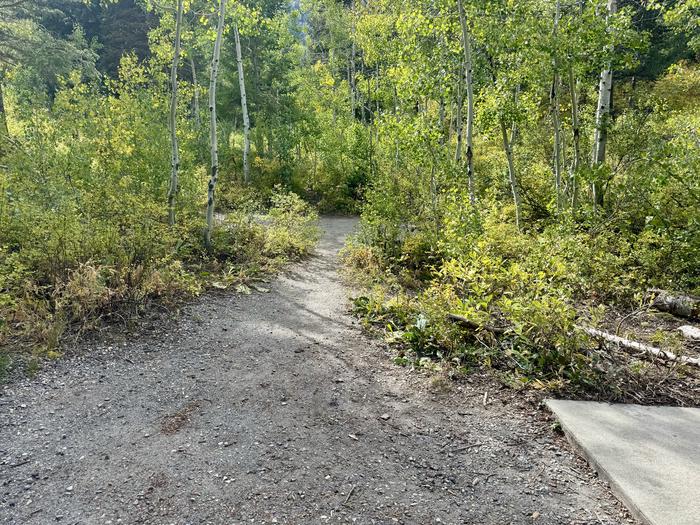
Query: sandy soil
point(277, 408)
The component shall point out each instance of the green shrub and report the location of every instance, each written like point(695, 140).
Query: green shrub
point(84, 237)
point(292, 226)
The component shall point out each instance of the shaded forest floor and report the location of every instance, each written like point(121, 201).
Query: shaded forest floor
point(277, 408)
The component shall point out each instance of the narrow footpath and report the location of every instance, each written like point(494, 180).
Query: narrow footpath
point(277, 408)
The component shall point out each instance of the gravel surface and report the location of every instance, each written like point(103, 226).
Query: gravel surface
point(277, 408)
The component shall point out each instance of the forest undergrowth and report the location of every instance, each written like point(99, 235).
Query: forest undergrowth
point(84, 237)
point(55, 297)
point(526, 173)
point(455, 287)
point(515, 307)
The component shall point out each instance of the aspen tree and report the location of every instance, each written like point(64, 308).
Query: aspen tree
point(458, 124)
point(556, 120)
point(175, 155)
point(244, 106)
point(512, 176)
point(4, 130)
point(3, 116)
point(468, 75)
point(602, 116)
point(195, 86)
point(576, 136)
point(212, 124)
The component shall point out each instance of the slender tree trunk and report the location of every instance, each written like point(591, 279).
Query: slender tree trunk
point(4, 130)
point(351, 94)
point(508, 148)
point(175, 155)
point(370, 108)
point(195, 85)
point(363, 105)
point(3, 116)
point(468, 76)
point(351, 75)
point(270, 140)
point(244, 107)
point(556, 120)
point(212, 124)
point(351, 64)
point(576, 132)
point(602, 117)
point(458, 124)
point(376, 88)
point(443, 126)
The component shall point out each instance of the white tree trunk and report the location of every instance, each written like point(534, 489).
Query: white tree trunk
point(212, 125)
point(458, 124)
point(175, 155)
point(351, 62)
point(576, 132)
point(4, 130)
point(195, 85)
point(556, 120)
point(468, 75)
point(244, 107)
point(443, 122)
point(508, 148)
point(601, 119)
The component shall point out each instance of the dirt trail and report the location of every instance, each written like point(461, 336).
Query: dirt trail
point(276, 408)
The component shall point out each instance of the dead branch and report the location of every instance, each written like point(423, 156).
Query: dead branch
point(468, 323)
point(690, 332)
point(640, 347)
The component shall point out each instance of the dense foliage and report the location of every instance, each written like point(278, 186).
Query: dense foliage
point(84, 173)
point(542, 237)
point(528, 166)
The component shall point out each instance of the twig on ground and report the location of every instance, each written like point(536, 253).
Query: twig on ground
point(352, 490)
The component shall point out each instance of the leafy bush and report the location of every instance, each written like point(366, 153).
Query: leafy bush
point(83, 222)
point(523, 294)
point(293, 229)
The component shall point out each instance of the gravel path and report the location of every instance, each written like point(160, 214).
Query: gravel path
point(277, 408)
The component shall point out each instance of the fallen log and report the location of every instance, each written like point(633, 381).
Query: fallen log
point(468, 323)
point(625, 343)
point(641, 347)
point(690, 332)
point(687, 306)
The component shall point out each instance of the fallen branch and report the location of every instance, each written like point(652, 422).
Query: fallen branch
point(641, 347)
point(625, 343)
point(687, 306)
point(690, 332)
point(349, 495)
point(468, 323)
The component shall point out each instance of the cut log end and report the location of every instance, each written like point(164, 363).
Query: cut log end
point(687, 306)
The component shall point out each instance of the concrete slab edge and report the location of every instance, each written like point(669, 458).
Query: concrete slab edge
point(603, 474)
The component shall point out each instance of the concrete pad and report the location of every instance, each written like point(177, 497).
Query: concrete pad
point(649, 455)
